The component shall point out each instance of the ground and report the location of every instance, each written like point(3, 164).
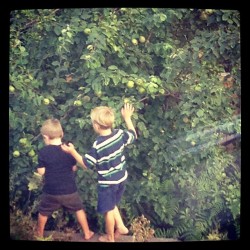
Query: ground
point(77, 237)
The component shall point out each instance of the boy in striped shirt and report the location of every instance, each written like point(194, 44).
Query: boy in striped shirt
point(107, 156)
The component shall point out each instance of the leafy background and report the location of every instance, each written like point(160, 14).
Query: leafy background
point(185, 69)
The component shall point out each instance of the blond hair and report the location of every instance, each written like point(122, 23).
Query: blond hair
point(103, 116)
point(52, 128)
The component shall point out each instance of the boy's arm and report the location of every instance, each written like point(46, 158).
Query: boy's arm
point(74, 168)
point(127, 112)
point(71, 150)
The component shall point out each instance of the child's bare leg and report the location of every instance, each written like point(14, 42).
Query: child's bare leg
point(82, 219)
point(42, 219)
point(110, 225)
point(120, 227)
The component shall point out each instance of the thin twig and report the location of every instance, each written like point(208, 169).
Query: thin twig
point(168, 94)
point(36, 137)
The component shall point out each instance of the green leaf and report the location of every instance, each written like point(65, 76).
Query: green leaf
point(200, 112)
point(112, 67)
point(55, 63)
point(57, 30)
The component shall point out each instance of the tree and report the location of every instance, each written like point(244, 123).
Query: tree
point(186, 93)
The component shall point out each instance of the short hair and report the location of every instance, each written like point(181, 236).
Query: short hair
point(103, 116)
point(52, 128)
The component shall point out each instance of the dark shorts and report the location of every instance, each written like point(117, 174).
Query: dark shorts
point(50, 203)
point(109, 197)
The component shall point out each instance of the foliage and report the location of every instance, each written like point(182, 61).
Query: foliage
point(49, 238)
point(216, 235)
point(22, 226)
point(161, 233)
point(142, 232)
point(186, 72)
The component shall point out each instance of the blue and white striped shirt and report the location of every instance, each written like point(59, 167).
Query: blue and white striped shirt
point(107, 155)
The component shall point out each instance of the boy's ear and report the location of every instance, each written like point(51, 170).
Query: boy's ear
point(45, 137)
point(96, 125)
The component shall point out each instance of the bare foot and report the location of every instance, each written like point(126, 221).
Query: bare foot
point(122, 230)
point(117, 234)
point(104, 238)
point(89, 235)
point(119, 231)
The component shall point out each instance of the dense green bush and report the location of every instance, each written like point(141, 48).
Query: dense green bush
point(181, 70)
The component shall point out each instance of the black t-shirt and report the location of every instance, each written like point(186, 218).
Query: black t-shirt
point(59, 176)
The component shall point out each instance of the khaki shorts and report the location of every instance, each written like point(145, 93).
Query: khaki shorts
point(50, 203)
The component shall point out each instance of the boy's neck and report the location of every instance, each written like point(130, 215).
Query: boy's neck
point(56, 141)
point(105, 132)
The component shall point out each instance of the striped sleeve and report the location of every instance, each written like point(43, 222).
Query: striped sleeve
point(90, 159)
point(128, 137)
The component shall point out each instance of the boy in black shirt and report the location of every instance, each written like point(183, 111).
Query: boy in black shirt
point(60, 188)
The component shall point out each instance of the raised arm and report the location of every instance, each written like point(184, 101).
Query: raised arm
point(71, 150)
point(127, 112)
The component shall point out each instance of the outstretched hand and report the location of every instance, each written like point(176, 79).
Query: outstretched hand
point(68, 148)
point(127, 111)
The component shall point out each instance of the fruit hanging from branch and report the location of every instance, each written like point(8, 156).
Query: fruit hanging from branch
point(16, 153)
point(134, 41)
point(142, 39)
point(46, 101)
point(130, 84)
